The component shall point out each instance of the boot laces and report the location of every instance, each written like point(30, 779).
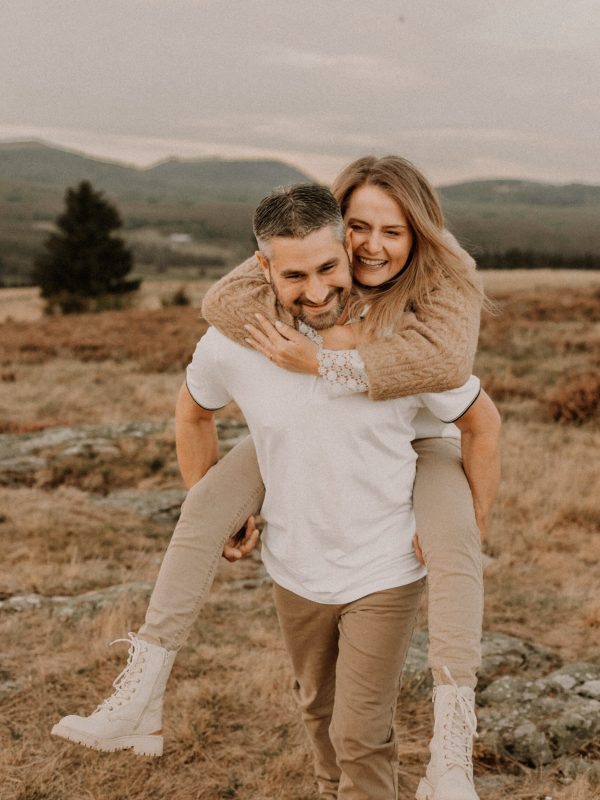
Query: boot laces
point(459, 726)
point(126, 682)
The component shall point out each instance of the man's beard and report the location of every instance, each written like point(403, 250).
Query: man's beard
point(317, 321)
point(327, 318)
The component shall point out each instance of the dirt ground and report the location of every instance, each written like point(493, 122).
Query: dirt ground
point(230, 724)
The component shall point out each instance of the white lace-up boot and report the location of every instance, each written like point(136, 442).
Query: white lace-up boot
point(132, 716)
point(449, 773)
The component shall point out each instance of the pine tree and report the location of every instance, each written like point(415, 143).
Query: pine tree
point(83, 260)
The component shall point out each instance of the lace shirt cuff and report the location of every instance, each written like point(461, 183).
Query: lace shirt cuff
point(343, 371)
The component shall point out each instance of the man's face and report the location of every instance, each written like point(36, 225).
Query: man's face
point(311, 276)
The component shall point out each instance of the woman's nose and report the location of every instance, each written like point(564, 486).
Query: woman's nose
point(373, 242)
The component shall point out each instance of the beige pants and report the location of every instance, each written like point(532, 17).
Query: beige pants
point(221, 502)
point(347, 661)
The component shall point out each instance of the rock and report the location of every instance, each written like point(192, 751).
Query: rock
point(570, 768)
point(16, 444)
point(533, 716)
point(565, 682)
point(157, 504)
point(27, 453)
point(66, 606)
point(500, 654)
point(90, 447)
point(6, 687)
point(510, 690)
point(230, 432)
point(575, 674)
point(416, 677)
point(590, 689)
point(538, 721)
point(503, 654)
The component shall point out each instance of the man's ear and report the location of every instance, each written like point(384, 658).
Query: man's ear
point(264, 264)
point(348, 243)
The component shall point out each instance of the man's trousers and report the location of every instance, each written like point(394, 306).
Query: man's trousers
point(347, 662)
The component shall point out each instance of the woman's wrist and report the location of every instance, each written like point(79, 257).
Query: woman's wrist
point(339, 337)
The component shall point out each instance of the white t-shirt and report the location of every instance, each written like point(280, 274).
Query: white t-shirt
point(338, 471)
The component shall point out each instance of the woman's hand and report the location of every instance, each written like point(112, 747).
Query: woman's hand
point(283, 346)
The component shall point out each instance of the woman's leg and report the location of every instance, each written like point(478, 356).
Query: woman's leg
point(450, 542)
point(449, 538)
point(214, 509)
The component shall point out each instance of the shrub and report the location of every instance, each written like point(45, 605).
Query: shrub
point(179, 298)
point(576, 400)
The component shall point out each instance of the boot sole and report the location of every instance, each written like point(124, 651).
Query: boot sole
point(141, 745)
point(424, 790)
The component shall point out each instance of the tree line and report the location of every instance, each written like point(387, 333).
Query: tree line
point(84, 265)
point(516, 258)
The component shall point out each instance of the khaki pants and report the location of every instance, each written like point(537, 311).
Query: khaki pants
point(221, 502)
point(347, 661)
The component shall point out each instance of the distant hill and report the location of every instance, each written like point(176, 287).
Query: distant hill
point(219, 180)
point(502, 222)
point(523, 192)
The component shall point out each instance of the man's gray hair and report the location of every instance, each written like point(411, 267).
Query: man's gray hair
point(296, 211)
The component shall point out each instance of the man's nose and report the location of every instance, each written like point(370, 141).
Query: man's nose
point(317, 290)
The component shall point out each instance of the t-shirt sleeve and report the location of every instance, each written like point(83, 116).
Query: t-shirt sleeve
point(451, 405)
point(203, 375)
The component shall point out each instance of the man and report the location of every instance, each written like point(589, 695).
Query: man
point(338, 475)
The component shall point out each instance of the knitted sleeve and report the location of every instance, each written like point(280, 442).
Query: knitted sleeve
point(234, 300)
point(432, 351)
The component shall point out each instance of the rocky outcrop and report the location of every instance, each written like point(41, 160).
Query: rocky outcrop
point(500, 654)
point(529, 711)
point(67, 606)
point(538, 721)
point(160, 505)
point(24, 455)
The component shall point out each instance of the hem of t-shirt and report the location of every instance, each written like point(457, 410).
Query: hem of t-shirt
point(355, 594)
point(205, 408)
point(462, 413)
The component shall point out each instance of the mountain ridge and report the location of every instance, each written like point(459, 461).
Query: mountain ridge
point(208, 179)
point(242, 180)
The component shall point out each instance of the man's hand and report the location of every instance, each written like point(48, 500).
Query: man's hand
point(236, 548)
point(480, 449)
point(283, 346)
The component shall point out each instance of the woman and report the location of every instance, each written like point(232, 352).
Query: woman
point(417, 334)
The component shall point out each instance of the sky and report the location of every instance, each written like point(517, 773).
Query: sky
point(464, 88)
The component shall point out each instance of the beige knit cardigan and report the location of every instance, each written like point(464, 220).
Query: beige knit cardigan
point(430, 350)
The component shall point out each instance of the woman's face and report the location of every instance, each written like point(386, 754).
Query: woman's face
point(379, 235)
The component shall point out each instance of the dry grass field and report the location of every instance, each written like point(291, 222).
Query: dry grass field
point(231, 729)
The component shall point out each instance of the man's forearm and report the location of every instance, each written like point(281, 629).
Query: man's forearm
point(197, 448)
point(481, 463)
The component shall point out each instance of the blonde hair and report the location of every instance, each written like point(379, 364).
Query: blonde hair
point(433, 261)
